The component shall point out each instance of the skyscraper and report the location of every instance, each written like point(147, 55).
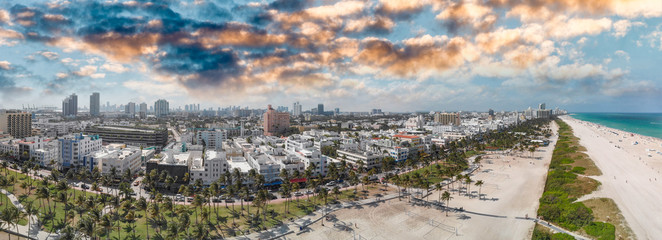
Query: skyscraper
point(130, 109)
point(95, 104)
point(541, 106)
point(320, 109)
point(143, 110)
point(161, 108)
point(70, 106)
point(296, 109)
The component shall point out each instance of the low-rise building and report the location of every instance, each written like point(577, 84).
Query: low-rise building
point(118, 156)
point(74, 147)
point(210, 168)
point(369, 159)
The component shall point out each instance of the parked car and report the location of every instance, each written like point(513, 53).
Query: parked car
point(298, 194)
point(229, 200)
point(83, 186)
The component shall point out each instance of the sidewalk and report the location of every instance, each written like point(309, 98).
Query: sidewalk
point(34, 227)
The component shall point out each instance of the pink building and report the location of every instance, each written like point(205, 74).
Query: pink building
point(275, 123)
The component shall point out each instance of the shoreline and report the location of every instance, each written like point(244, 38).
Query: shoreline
point(616, 129)
point(631, 173)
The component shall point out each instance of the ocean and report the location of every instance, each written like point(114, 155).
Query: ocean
point(647, 124)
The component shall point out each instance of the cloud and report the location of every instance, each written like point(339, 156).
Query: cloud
point(9, 73)
point(460, 14)
point(4, 16)
point(562, 27)
point(623, 54)
point(621, 27)
point(5, 65)
point(401, 9)
point(49, 55)
point(375, 25)
point(88, 71)
point(416, 55)
point(114, 67)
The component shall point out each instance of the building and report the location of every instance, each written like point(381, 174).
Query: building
point(399, 153)
point(275, 123)
point(213, 139)
point(74, 147)
point(143, 110)
point(336, 111)
point(130, 109)
point(296, 109)
point(175, 164)
point(369, 159)
point(320, 109)
point(16, 123)
point(265, 165)
point(208, 169)
point(415, 122)
point(490, 112)
point(70, 106)
point(95, 104)
point(448, 118)
point(131, 136)
point(119, 156)
point(541, 106)
point(161, 108)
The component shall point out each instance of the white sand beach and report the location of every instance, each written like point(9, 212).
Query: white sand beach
point(513, 185)
point(630, 177)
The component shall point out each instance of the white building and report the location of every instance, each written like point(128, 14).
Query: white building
point(265, 165)
point(212, 138)
point(118, 156)
point(415, 122)
point(210, 169)
point(369, 159)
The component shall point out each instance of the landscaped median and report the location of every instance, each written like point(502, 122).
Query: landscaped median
point(566, 182)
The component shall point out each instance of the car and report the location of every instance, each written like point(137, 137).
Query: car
point(272, 197)
point(229, 200)
point(190, 199)
point(249, 198)
point(136, 183)
point(83, 186)
point(215, 199)
point(298, 194)
point(309, 192)
point(331, 184)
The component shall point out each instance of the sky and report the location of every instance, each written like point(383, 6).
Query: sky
point(397, 55)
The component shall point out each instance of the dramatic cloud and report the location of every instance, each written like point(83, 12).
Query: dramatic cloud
point(330, 49)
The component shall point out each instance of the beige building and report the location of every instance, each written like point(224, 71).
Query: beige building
point(18, 124)
point(447, 118)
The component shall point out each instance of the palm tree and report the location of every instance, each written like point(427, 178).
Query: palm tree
point(30, 210)
point(439, 187)
point(467, 180)
point(446, 196)
point(479, 183)
point(143, 205)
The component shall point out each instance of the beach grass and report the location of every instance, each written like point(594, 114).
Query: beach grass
point(606, 210)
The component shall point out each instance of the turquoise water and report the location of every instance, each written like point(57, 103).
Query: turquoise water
point(647, 124)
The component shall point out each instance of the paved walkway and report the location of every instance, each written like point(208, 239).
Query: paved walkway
point(34, 226)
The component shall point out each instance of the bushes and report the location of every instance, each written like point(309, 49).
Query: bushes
point(601, 230)
point(561, 188)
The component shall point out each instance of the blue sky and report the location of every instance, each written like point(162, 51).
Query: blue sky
point(398, 55)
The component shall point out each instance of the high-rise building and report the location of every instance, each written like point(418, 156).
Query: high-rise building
point(130, 109)
point(161, 108)
point(296, 109)
point(17, 123)
point(541, 106)
point(320, 109)
point(95, 104)
point(70, 106)
point(336, 111)
point(447, 118)
point(491, 112)
point(274, 122)
point(143, 110)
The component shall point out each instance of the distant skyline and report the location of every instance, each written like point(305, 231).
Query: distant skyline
point(396, 55)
